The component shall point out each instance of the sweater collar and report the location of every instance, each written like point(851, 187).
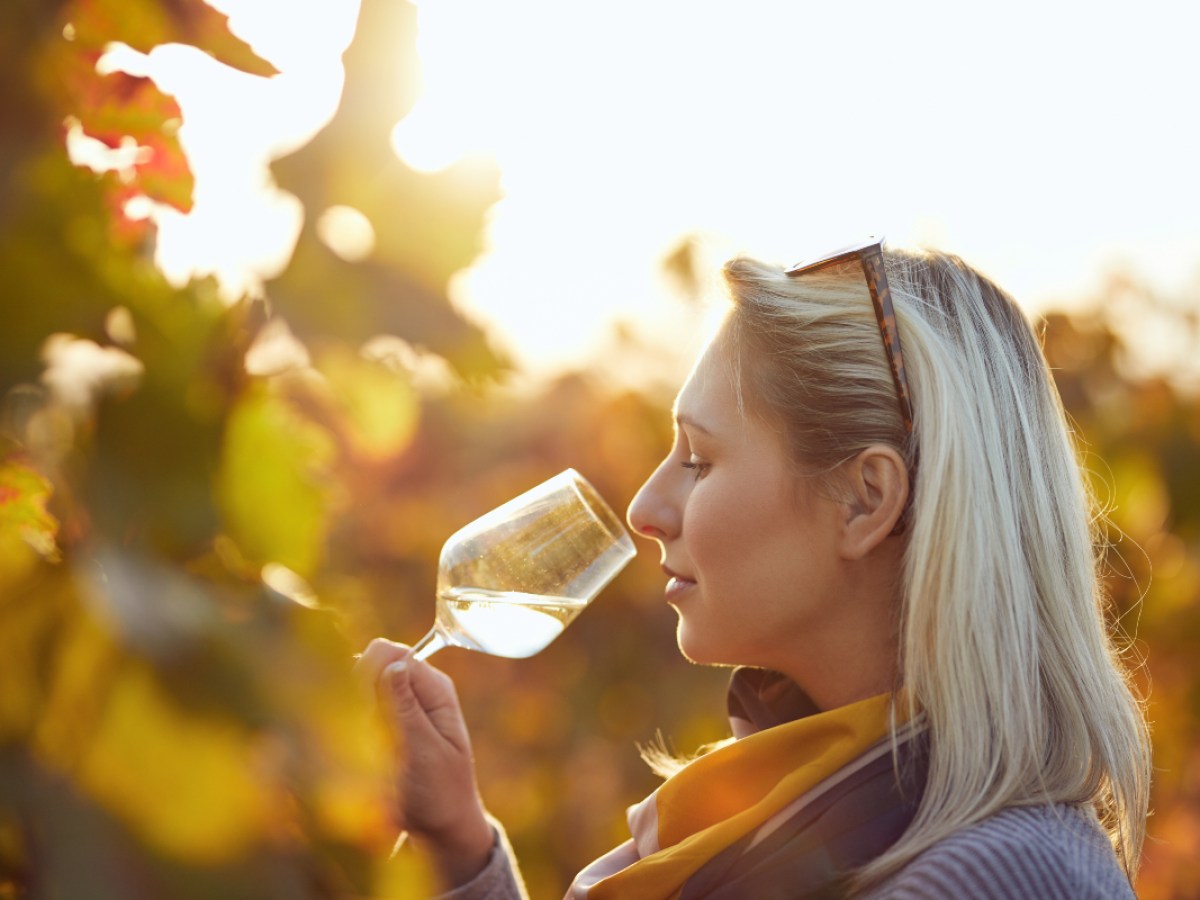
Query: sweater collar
point(762, 698)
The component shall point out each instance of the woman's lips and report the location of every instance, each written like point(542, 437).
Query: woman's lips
point(677, 586)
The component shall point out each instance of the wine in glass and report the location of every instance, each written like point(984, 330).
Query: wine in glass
point(512, 580)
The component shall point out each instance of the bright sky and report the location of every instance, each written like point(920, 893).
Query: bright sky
point(1046, 142)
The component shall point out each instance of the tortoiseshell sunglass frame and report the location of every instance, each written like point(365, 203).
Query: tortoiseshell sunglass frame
point(870, 256)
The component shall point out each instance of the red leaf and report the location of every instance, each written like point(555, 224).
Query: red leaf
point(118, 107)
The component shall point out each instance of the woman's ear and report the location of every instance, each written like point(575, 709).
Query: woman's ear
point(876, 491)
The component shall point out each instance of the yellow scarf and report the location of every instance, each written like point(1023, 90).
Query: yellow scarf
point(730, 792)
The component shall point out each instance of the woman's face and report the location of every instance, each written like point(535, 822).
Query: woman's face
point(748, 545)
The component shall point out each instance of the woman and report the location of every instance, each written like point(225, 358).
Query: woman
point(898, 550)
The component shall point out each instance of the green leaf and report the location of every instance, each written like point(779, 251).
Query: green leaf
point(272, 486)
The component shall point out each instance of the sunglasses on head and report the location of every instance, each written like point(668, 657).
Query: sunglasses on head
point(870, 255)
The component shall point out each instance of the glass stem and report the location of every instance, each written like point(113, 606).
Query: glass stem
point(430, 644)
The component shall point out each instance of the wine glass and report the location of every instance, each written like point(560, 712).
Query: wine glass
point(512, 580)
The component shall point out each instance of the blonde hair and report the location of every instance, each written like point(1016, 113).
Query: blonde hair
point(1002, 637)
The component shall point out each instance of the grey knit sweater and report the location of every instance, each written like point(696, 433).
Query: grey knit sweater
point(1025, 853)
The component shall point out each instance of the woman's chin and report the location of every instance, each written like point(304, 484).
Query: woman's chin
point(696, 650)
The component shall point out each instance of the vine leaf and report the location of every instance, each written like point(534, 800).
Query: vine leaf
point(27, 529)
point(123, 110)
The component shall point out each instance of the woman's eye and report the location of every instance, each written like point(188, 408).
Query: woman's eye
point(698, 468)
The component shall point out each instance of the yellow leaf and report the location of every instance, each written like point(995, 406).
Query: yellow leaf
point(187, 785)
point(27, 530)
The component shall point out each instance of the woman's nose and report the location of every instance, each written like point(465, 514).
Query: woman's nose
point(653, 512)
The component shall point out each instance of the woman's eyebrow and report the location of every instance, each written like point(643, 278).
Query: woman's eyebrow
point(684, 419)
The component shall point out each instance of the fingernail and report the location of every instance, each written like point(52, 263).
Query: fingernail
point(396, 668)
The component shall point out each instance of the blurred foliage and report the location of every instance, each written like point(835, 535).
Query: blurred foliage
point(425, 226)
point(207, 508)
point(1140, 435)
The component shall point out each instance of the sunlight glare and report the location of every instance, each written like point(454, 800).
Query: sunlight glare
point(619, 129)
point(241, 250)
point(425, 146)
point(85, 150)
point(242, 228)
point(347, 232)
point(275, 350)
point(312, 30)
point(79, 371)
point(425, 371)
point(120, 327)
point(290, 585)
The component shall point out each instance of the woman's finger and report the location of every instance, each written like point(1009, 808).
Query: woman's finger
point(437, 696)
point(380, 654)
point(423, 701)
point(433, 784)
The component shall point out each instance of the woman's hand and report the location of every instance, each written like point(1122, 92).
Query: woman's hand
point(436, 799)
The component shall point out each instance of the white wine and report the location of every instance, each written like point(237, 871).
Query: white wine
point(504, 623)
point(542, 556)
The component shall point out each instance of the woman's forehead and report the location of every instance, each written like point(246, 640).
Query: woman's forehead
point(710, 391)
